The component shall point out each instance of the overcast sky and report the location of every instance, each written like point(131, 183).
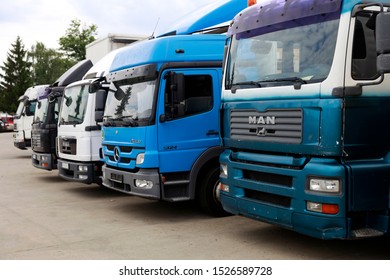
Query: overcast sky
point(47, 20)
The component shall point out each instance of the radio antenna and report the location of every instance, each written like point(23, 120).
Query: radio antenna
point(155, 27)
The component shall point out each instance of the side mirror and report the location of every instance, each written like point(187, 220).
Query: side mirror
point(383, 42)
point(100, 104)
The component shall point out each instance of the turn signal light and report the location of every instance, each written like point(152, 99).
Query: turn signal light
point(331, 209)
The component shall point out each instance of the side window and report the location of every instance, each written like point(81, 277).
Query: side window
point(30, 108)
point(364, 48)
point(196, 98)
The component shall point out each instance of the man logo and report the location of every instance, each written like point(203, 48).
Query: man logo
point(262, 120)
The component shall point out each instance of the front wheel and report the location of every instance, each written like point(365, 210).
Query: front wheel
point(208, 192)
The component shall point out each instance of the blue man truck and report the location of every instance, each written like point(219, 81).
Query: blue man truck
point(305, 117)
point(161, 120)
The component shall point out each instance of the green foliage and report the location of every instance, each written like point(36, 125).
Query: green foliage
point(47, 64)
point(41, 65)
point(16, 77)
point(76, 38)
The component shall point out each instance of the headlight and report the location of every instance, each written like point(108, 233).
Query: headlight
point(324, 185)
point(140, 158)
point(83, 168)
point(145, 184)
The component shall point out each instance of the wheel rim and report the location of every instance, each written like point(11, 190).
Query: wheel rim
point(217, 191)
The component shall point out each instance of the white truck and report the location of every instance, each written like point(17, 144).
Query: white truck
point(79, 135)
point(24, 116)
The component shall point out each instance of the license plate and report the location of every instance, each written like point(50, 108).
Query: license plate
point(65, 165)
point(117, 177)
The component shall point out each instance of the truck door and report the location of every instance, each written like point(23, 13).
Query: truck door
point(188, 119)
point(366, 120)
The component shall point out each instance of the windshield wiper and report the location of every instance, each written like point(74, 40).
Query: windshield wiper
point(125, 121)
point(70, 122)
point(236, 86)
point(108, 121)
point(128, 121)
point(296, 80)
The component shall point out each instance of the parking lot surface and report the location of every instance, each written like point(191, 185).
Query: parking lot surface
point(44, 217)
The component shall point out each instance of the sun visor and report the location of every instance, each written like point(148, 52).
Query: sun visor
point(206, 17)
point(73, 74)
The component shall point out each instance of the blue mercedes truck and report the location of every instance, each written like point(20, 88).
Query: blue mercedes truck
point(305, 117)
point(161, 118)
point(160, 126)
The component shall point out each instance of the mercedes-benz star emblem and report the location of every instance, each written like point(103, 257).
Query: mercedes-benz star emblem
point(116, 154)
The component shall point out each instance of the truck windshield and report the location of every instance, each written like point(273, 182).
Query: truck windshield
point(74, 105)
point(41, 110)
point(287, 55)
point(129, 104)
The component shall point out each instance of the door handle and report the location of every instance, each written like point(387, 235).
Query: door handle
point(212, 132)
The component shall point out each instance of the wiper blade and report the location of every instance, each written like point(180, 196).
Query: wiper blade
point(236, 86)
point(71, 122)
point(108, 121)
point(129, 121)
point(125, 121)
point(296, 80)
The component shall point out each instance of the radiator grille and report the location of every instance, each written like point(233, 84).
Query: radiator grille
point(280, 126)
point(36, 139)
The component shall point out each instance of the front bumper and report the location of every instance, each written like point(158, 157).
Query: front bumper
point(126, 181)
point(83, 172)
point(44, 161)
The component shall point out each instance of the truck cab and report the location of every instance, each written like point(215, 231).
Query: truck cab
point(79, 132)
point(160, 127)
point(24, 116)
point(305, 110)
point(44, 127)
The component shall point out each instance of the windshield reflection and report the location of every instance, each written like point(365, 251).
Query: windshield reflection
point(74, 105)
point(302, 54)
point(41, 110)
point(129, 104)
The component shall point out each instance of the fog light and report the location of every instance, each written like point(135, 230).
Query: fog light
point(83, 177)
point(225, 188)
point(145, 184)
point(324, 208)
point(140, 158)
point(83, 168)
point(324, 185)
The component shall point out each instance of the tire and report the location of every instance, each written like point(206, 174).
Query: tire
point(208, 193)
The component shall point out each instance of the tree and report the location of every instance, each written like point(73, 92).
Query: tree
point(16, 77)
point(47, 64)
point(76, 38)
